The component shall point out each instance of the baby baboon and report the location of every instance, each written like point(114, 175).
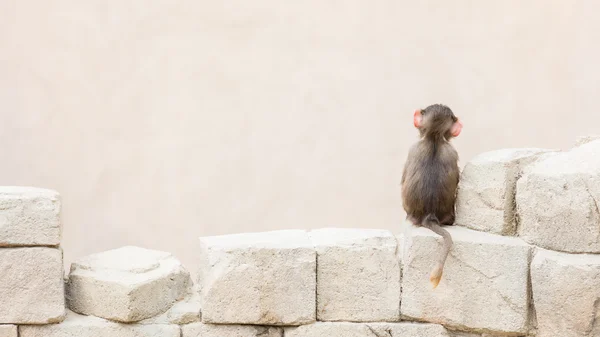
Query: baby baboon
point(430, 177)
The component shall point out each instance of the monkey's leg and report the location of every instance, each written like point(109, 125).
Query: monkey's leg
point(448, 220)
point(412, 220)
point(432, 223)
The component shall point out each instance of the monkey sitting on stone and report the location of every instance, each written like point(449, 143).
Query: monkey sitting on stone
point(430, 177)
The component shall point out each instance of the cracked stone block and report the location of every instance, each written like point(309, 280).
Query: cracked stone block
point(185, 311)
point(258, 278)
point(484, 286)
point(486, 191)
point(400, 252)
point(558, 201)
point(566, 294)
point(346, 329)
point(29, 216)
point(358, 275)
point(89, 326)
point(215, 330)
point(31, 285)
point(128, 284)
point(8, 330)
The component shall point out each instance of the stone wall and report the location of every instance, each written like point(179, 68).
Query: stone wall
point(526, 261)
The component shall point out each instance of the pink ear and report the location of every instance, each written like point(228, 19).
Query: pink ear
point(418, 119)
point(456, 129)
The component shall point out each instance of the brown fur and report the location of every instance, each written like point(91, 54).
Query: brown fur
point(430, 179)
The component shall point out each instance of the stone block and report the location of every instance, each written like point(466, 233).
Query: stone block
point(558, 201)
point(29, 217)
point(8, 330)
point(566, 294)
point(90, 326)
point(215, 330)
point(484, 286)
point(31, 285)
point(358, 275)
point(185, 311)
point(258, 278)
point(128, 284)
point(486, 191)
point(346, 329)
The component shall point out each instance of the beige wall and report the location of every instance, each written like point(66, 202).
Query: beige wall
point(160, 121)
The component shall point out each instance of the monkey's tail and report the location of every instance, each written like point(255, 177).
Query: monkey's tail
point(432, 222)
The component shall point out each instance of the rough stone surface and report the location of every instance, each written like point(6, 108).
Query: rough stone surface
point(29, 216)
point(8, 330)
point(89, 326)
point(258, 278)
point(212, 330)
point(31, 285)
point(183, 312)
point(126, 284)
point(566, 294)
point(470, 334)
point(486, 191)
point(401, 250)
point(358, 275)
point(345, 329)
point(586, 139)
point(558, 201)
point(483, 288)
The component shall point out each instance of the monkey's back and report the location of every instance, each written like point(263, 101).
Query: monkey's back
point(429, 181)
